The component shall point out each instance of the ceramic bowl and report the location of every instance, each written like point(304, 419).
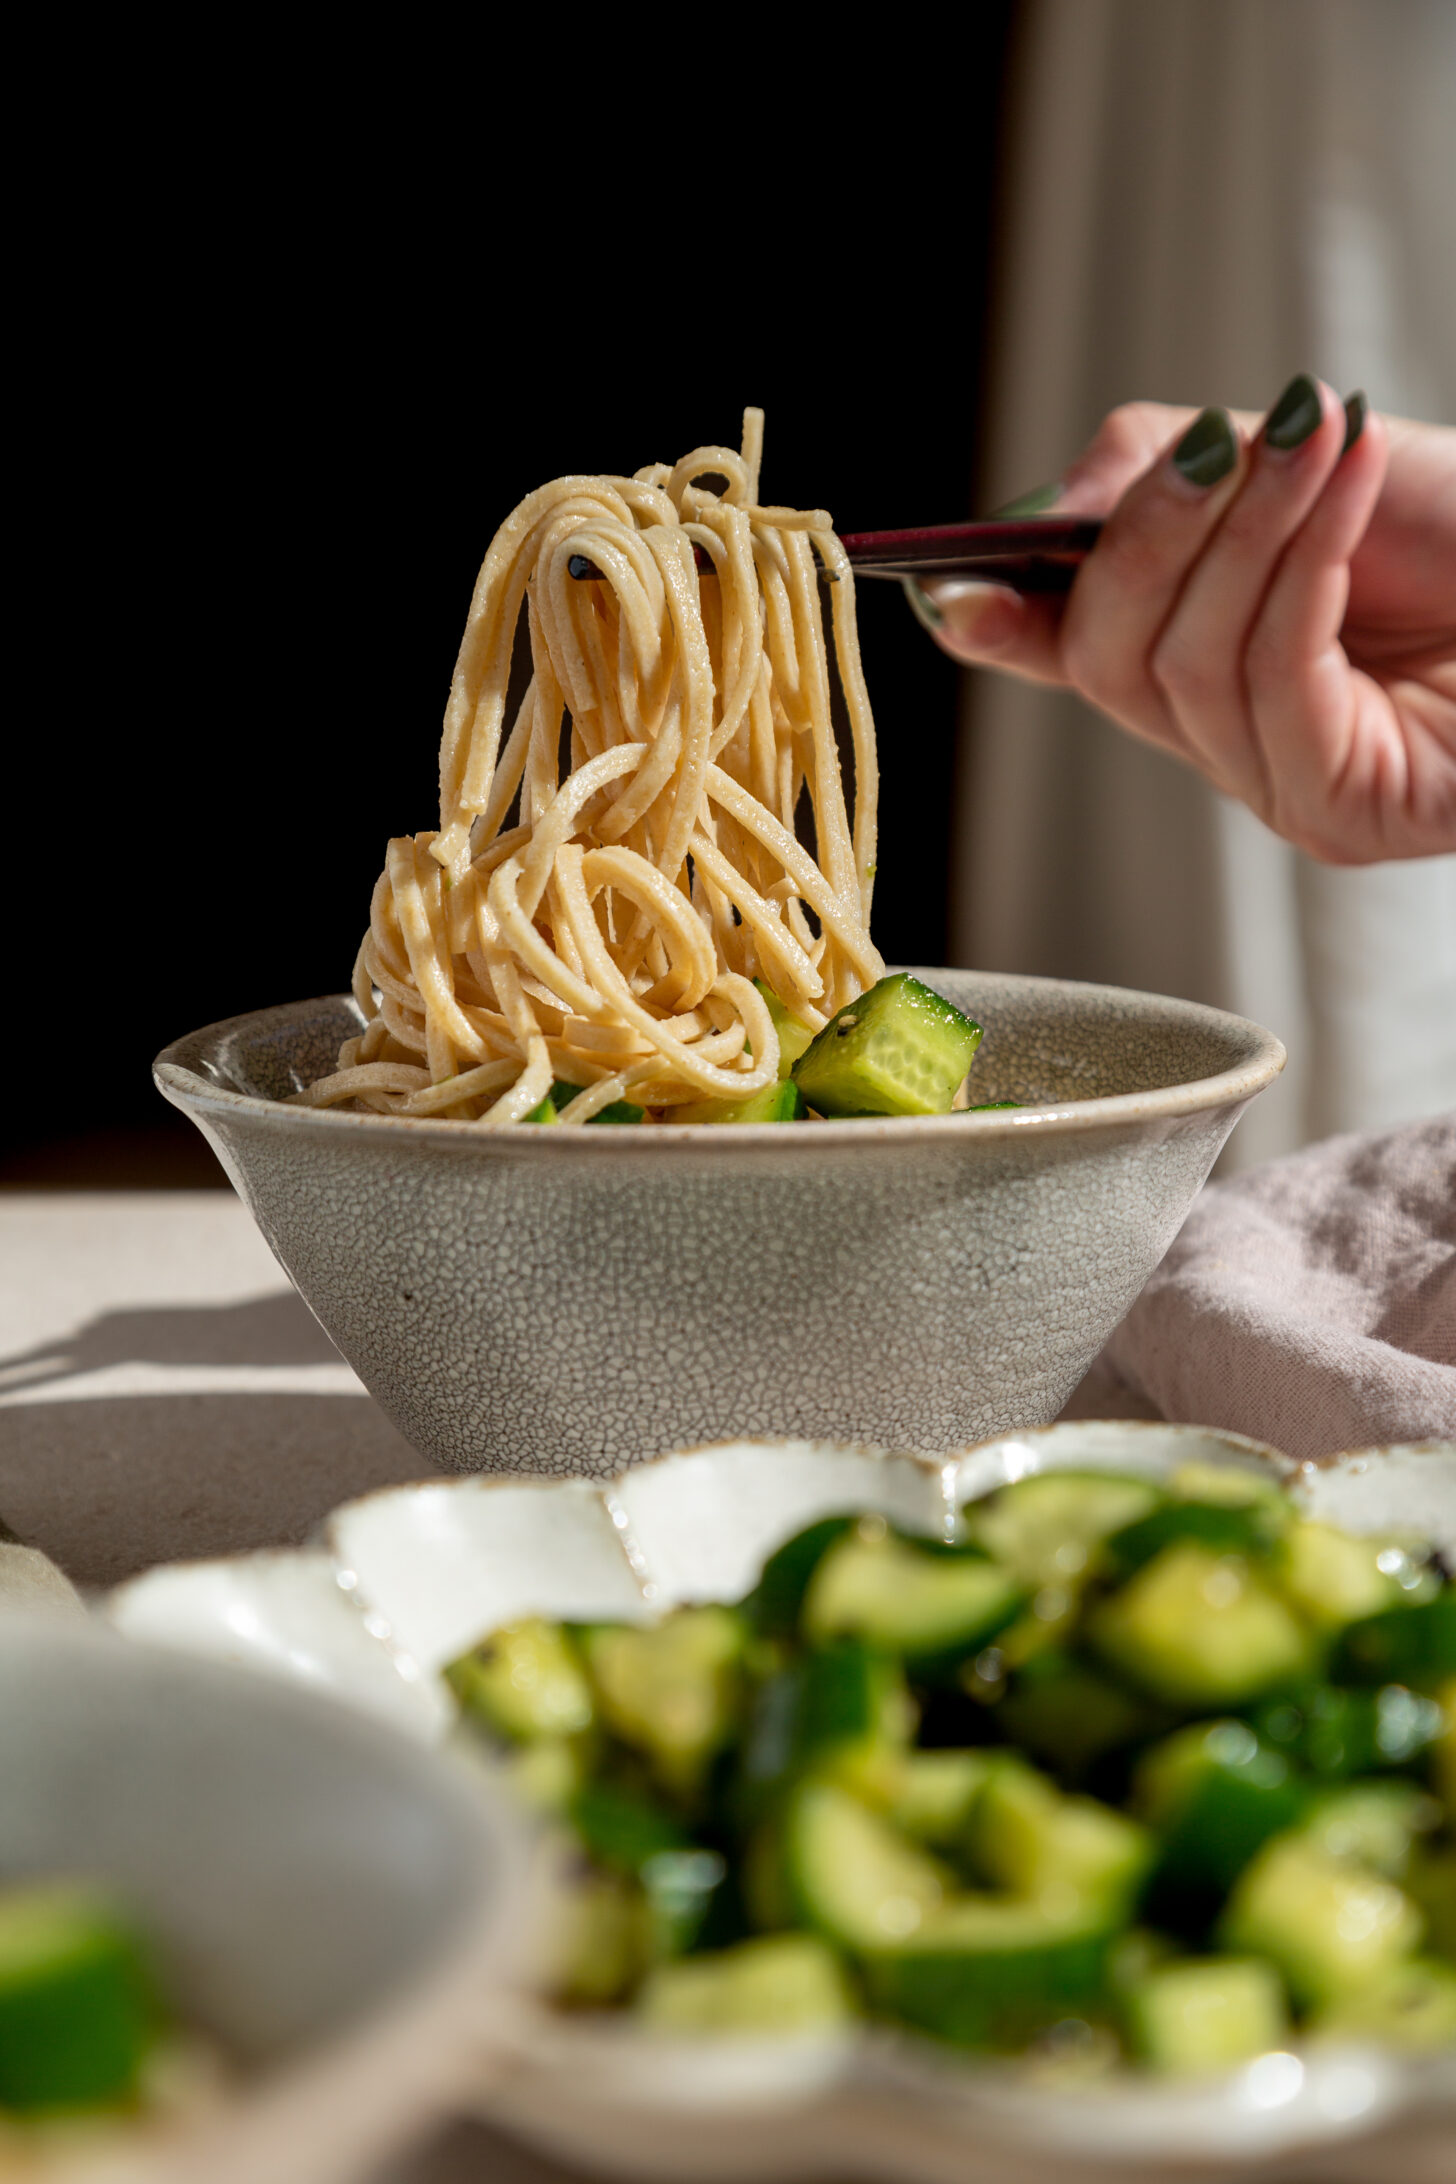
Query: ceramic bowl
point(423, 1571)
point(330, 1906)
point(568, 1301)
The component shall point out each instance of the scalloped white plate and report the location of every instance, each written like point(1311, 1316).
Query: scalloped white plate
point(409, 1577)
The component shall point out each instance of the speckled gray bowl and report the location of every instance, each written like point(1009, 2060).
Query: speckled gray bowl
point(558, 1301)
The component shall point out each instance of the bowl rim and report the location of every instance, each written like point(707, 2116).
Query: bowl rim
point(180, 1082)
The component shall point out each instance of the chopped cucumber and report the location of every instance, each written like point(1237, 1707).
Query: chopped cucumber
point(1376, 1823)
point(992, 1972)
point(1409, 1645)
point(1334, 1733)
point(562, 1093)
point(1333, 1578)
point(546, 1112)
point(1046, 1529)
point(76, 2012)
point(1230, 1486)
point(844, 1707)
point(795, 1038)
point(1068, 1716)
point(778, 1597)
point(1412, 2006)
point(1028, 1837)
point(854, 1878)
point(547, 1774)
point(682, 1888)
point(775, 1983)
point(1213, 1526)
point(1200, 1629)
point(1207, 2013)
point(1444, 1753)
point(600, 1942)
point(621, 1830)
point(781, 1102)
point(672, 1690)
point(525, 1681)
point(906, 1598)
point(1329, 1924)
point(1431, 1883)
point(1215, 1793)
point(898, 1050)
point(933, 1794)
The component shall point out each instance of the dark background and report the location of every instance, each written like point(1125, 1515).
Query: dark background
point(329, 332)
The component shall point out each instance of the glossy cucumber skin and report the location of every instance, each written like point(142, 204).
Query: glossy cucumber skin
point(994, 1998)
point(900, 1049)
point(1415, 1645)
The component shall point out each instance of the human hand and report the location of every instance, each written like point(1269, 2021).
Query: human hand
point(1270, 601)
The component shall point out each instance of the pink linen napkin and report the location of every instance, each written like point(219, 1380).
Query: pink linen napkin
point(1310, 1303)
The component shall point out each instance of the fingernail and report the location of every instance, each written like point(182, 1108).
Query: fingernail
point(1357, 409)
point(1295, 415)
point(922, 606)
point(1209, 448)
point(1034, 503)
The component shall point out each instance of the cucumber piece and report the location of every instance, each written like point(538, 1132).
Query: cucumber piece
point(524, 1681)
point(1334, 1733)
point(1200, 1630)
point(621, 1830)
point(1045, 1529)
point(1206, 2013)
point(1334, 1578)
point(1215, 1793)
point(683, 1888)
point(1026, 1836)
point(547, 1774)
point(562, 1093)
point(546, 1112)
point(1229, 1486)
point(1431, 1883)
point(843, 1708)
point(933, 1794)
point(898, 1050)
point(1412, 2007)
point(1330, 1925)
point(781, 1102)
point(1213, 1526)
point(775, 1983)
point(795, 1038)
point(907, 1599)
point(77, 2017)
point(599, 1946)
point(1408, 1645)
point(1068, 1716)
point(853, 1877)
point(776, 1600)
point(993, 1972)
point(1376, 1823)
point(1444, 1752)
point(672, 1690)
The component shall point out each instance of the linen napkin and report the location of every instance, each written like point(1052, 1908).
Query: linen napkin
point(1310, 1303)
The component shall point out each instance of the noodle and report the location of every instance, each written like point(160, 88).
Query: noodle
point(610, 936)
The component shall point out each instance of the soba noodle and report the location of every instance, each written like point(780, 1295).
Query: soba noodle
point(604, 926)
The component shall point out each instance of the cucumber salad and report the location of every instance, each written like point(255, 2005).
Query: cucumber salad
point(899, 1049)
point(1160, 1773)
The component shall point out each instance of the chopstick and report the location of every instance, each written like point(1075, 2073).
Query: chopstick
point(1032, 554)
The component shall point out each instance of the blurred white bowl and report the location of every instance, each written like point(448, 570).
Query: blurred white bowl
point(329, 1905)
point(412, 1575)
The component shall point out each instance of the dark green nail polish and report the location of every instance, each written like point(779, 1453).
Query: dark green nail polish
point(1357, 409)
point(1295, 415)
point(922, 606)
point(1034, 503)
point(1209, 448)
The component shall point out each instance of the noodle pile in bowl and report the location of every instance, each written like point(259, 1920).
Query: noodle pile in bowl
point(610, 937)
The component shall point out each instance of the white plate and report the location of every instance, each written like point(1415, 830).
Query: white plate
point(409, 1577)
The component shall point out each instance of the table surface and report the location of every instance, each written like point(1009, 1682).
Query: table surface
point(164, 1393)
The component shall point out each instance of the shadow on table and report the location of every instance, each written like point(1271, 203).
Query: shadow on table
point(277, 1329)
point(106, 1488)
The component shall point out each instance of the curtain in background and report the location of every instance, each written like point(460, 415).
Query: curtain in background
point(1207, 196)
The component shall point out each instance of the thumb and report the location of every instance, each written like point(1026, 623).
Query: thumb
point(987, 625)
